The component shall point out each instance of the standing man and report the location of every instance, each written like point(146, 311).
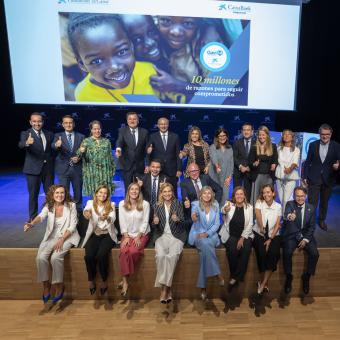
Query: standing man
point(131, 148)
point(298, 232)
point(241, 150)
point(165, 145)
point(319, 172)
point(38, 166)
point(68, 166)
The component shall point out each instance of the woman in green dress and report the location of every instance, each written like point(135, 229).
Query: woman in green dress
point(98, 165)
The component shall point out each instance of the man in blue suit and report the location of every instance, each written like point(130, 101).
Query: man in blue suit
point(297, 232)
point(38, 166)
point(68, 166)
point(319, 172)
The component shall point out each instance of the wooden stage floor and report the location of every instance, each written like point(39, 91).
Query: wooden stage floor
point(312, 318)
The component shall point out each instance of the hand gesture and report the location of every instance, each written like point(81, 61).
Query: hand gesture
point(174, 217)
point(59, 245)
point(186, 203)
point(304, 183)
point(75, 159)
point(267, 244)
point(240, 243)
point(336, 165)
point(146, 170)
point(292, 216)
point(243, 168)
point(206, 170)
point(125, 241)
point(202, 235)
point(87, 214)
point(139, 182)
point(137, 241)
point(28, 226)
point(272, 167)
point(227, 181)
point(118, 153)
point(178, 174)
point(302, 244)
point(182, 154)
point(29, 140)
point(58, 143)
point(256, 163)
point(149, 149)
point(82, 148)
point(218, 168)
point(227, 207)
point(155, 219)
point(194, 217)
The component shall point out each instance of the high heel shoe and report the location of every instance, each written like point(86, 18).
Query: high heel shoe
point(259, 290)
point(169, 299)
point(59, 297)
point(120, 285)
point(203, 296)
point(232, 285)
point(124, 292)
point(46, 298)
point(103, 290)
point(221, 283)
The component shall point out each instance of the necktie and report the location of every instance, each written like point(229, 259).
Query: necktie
point(69, 140)
point(299, 215)
point(41, 140)
point(164, 140)
point(134, 136)
point(247, 146)
point(197, 188)
point(154, 192)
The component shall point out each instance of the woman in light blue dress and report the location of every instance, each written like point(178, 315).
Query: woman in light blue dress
point(203, 235)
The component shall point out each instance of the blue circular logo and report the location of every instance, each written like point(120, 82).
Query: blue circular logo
point(310, 140)
point(215, 56)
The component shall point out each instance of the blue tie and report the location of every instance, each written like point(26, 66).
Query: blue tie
point(153, 192)
point(69, 139)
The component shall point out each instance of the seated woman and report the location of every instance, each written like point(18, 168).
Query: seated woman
point(61, 234)
point(203, 235)
point(267, 241)
point(236, 235)
point(101, 236)
point(134, 226)
point(170, 235)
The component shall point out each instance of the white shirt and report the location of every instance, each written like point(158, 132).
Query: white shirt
point(167, 229)
point(286, 158)
point(165, 134)
point(268, 213)
point(323, 149)
point(57, 228)
point(136, 134)
point(98, 223)
point(133, 221)
point(43, 138)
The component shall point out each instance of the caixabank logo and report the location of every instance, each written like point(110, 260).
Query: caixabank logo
point(215, 56)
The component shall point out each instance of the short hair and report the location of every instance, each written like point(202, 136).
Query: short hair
point(247, 124)
point(300, 187)
point(37, 114)
point(162, 118)
point(67, 116)
point(325, 127)
point(131, 113)
point(156, 160)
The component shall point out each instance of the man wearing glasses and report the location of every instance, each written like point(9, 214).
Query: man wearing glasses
point(320, 169)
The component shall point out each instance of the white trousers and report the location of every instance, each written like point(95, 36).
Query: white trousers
point(168, 249)
point(285, 191)
point(45, 252)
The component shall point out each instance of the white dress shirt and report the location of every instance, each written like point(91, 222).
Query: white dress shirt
point(269, 214)
point(136, 134)
point(323, 150)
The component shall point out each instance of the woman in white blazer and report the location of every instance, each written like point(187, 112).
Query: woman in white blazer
point(286, 172)
point(236, 234)
point(100, 237)
point(61, 234)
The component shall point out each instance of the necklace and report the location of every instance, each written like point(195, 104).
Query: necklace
point(116, 98)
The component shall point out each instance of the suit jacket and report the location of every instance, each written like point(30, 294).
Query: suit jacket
point(293, 229)
point(36, 157)
point(132, 154)
point(188, 189)
point(314, 170)
point(70, 221)
point(240, 155)
point(178, 229)
point(248, 223)
point(146, 188)
point(169, 157)
point(64, 153)
point(202, 225)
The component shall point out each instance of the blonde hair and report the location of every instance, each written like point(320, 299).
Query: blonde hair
point(192, 129)
point(127, 203)
point(107, 203)
point(268, 146)
point(162, 187)
point(211, 203)
point(281, 143)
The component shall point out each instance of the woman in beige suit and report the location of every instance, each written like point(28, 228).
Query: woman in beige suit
point(61, 234)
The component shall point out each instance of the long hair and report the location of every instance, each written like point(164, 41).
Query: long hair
point(49, 200)
point(107, 203)
point(270, 186)
point(192, 129)
point(127, 203)
point(162, 187)
point(233, 200)
point(212, 202)
point(268, 146)
point(216, 140)
point(281, 143)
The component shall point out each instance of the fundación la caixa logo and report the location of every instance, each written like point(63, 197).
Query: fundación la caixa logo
point(215, 56)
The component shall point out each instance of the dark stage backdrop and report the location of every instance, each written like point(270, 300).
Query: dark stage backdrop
point(317, 93)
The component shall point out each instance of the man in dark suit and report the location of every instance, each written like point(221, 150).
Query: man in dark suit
point(68, 166)
point(298, 229)
point(131, 148)
point(191, 187)
point(319, 173)
point(38, 166)
point(241, 150)
point(165, 145)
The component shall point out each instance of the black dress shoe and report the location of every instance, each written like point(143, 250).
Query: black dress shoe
point(93, 290)
point(288, 283)
point(323, 225)
point(231, 286)
point(305, 282)
point(103, 290)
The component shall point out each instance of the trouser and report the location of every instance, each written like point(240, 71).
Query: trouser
point(285, 189)
point(45, 252)
point(244, 181)
point(97, 251)
point(324, 191)
point(128, 177)
point(238, 259)
point(289, 246)
point(168, 249)
point(261, 180)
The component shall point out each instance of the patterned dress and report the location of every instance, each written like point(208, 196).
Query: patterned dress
point(98, 165)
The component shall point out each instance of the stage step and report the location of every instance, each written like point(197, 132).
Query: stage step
point(18, 276)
